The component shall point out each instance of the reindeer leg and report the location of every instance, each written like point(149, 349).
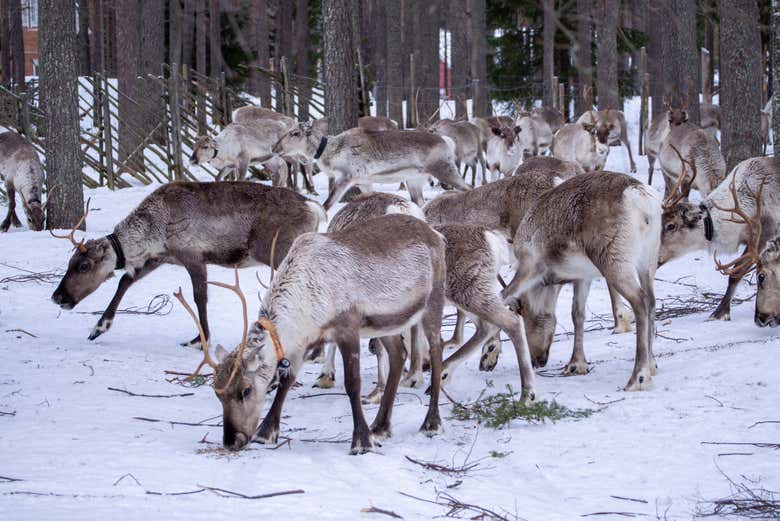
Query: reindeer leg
point(490, 353)
point(457, 334)
point(11, 218)
point(621, 315)
point(395, 348)
point(415, 377)
point(483, 166)
point(626, 284)
point(307, 177)
point(650, 168)
point(646, 283)
point(328, 374)
point(104, 324)
point(415, 189)
point(578, 364)
point(484, 331)
point(241, 167)
point(624, 139)
point(268, 431)
point(723, 311)
point(349, 345)
point(340, 187)
point(199, 278)
point(431, 324)
point(376, 347)
point(512, 325)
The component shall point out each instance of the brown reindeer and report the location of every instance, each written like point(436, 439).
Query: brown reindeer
point(192, 225)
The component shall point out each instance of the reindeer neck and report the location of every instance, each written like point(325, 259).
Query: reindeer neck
point(138, 238)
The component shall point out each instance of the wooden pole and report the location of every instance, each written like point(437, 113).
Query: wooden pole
point(174, 91)
point(107, 133)
point(412, 93)
point(643, 111)
point(562, 97)
point(555, 92)
point(97, 121)
point(706, 66)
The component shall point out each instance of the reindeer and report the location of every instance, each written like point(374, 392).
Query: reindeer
point(697, 147)
point(552, 116)
point(361, 157)
point(376, 123)
point(364, 207)
point(192, 225)
point(376, 279)
point(21, 170)
point(467, 145)
point(584, 144)
point(727, 218)
point(768, 268)
point(473, 256)
point(710, 118)
point(613, 122)
point(254, 115)
point(543, 134)
point(596, 224)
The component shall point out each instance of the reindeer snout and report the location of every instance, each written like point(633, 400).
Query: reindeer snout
point(233, 440)
point(62, 299)
point(765, 319)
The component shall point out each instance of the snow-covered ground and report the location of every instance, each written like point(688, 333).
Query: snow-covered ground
point(79, 450)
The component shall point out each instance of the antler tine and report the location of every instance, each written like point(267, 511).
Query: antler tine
point(430, 118)
point(674, 198)
point(206, 356)
point(745, 263)
point(271, 262)
point(48, 195)
point(69, 236)
point(236, 288)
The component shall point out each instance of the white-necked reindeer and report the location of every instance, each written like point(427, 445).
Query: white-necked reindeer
point(596, 224)
point(468, 150)
point(376, 279)
point(362, 157)
point(613, 122)
point(192, 225)
point(584, 144)
point(713, 224)
point(22, 172)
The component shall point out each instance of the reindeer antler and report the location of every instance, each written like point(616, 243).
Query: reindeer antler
point(235, 288)
point(78, 245)
point(746, 262)
point(684, 189)
point(271, 259)
point(206, 356)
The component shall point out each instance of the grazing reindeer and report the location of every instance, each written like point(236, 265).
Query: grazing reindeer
point(21, 170)
point(254, 115)
point(714, 224)
point(613, 122)
point(596, 224)
point(239, 146)
point(376, 279)
point(467, 145)
point(364, 207)
point(190, 224)
point(768, 269)
point(584, 144)
point(699, 148)
point(361, 157)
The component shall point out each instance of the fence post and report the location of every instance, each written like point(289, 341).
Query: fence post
point(706, 86)
point(109, 139)
point(223, 118)
point(412, 103)
point(288, 100)
point(174, 85)
point(562, 98)
point(24, 114)
point(643, 110)
point(554, 88)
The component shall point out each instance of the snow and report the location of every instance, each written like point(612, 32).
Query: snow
point(71, 440)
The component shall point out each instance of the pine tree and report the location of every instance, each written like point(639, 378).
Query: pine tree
point(339, 66)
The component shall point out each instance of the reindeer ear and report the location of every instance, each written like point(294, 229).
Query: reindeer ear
point(221, 353)
point(691, 216)
point(518, 130)
point(685, 115)
point(496, 131)
point(589, 127)
point(771, 252)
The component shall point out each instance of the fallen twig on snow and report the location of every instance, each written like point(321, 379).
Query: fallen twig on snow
point(128, 475)
point(457, 507)
point(444, 469)
point(623, 498)
point(159, 305)
point(623, 514)
point(21, 331)
point(230, 494)
point(46, 277)
point(744, 501)
point(375, 510)
point(764, 422)
point(754, 444)
point(188, 424)
point(7, 413)
point(6, 479)
point(149, 395)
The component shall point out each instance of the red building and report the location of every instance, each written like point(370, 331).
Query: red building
point(30, 36)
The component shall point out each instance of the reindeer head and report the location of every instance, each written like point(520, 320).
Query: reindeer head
point(524, 141)
point(682, 223)
point(91, 264)
point(537, 308)
point(768, 279)
point(301, 140)
point(203, 151)
point(676, 115)
point(34, 211)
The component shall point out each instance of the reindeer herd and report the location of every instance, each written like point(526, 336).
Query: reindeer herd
point(387, 266)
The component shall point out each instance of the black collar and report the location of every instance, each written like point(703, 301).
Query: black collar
point(215, 153)
point(709, 228)
point(321, 148)
point(120, 255)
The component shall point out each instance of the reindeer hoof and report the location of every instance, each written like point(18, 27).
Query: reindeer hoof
point(361, 444)
point(576, 367)
point(719, 314)
point(266, 435)
point(528, 396)
point(325, 381)
point(489, 358)
point(640, 380)
point(413, 380)
point(5, 225)
point(623, 320)
point(194, 344)
point(381, 432)
point(101, 327)
point(431, 426)
point(374, 396)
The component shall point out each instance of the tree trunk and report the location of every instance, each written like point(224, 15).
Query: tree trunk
point(201, 30)
point(174, 33)
point(606, 54)
point(5, 42)
point(302, 58)
point(776, 76)
point(215, 45)
point(427, 66)
point(460, 54)
point(548, 53)
point(109, 11)
point(379, 52)
point(480, 101)
point(740, 80)
point(680, 60)
point(96, 36)
point(59, 89)
point(339, 66)
point(131, 118)
point(188, 32)
point(395, 62)
point(659, 42)
point(17, 43)
point(83, 39)
point(261, 86)
point(409, 31)
point(152, 58)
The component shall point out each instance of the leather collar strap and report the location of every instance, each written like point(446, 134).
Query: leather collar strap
point(214, 154)
point(709, 228)
point(120, 255)
point(321, 148)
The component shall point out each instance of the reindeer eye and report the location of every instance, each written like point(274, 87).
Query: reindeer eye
point(670, 227)
point(761, 279)
point(83, 267)
point(246, 392)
